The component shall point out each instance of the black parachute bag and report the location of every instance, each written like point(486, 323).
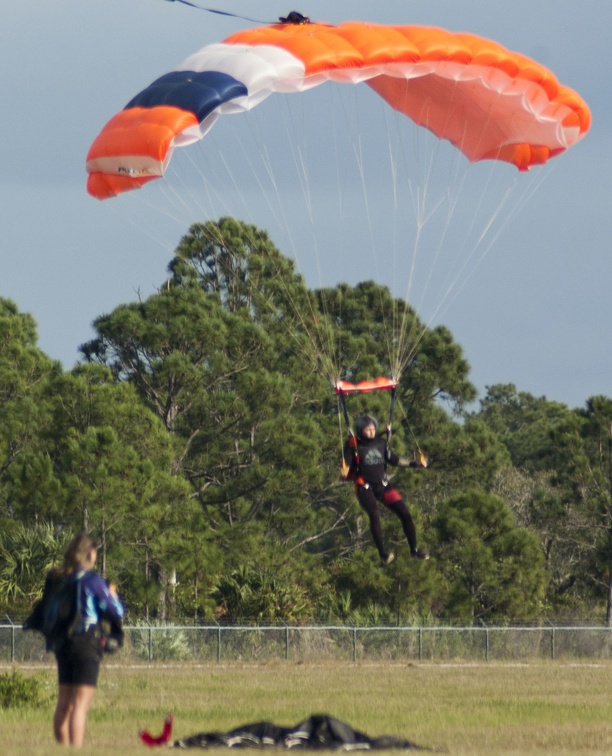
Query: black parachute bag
point(112, 633)
point(56, 615)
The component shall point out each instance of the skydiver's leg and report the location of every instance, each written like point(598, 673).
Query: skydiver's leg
point(400, 509)
point(392, 498)
point(366, 498)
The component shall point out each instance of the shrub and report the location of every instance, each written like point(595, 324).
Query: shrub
point(18, 691)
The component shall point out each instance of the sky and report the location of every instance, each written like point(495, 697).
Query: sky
point(535, 312)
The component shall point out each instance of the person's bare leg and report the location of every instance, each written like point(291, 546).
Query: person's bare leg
point(63, 713)
point(82, 698)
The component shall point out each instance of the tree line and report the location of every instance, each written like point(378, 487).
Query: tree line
point(199, 440)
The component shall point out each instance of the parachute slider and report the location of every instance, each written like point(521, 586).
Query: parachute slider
point(364, 387)
point(295, 18)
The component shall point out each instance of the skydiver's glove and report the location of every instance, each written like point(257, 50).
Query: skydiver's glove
point(405, 462)
point(344, 471)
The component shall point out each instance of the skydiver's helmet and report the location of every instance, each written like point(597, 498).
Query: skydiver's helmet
point(362, 422)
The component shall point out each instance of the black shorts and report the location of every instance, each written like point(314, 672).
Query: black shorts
point(78, 660)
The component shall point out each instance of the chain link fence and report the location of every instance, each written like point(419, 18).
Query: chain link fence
point(210, 643)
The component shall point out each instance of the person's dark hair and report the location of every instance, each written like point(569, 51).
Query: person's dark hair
point(76, 555)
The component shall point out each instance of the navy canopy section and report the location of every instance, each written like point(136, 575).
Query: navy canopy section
point(198, 93)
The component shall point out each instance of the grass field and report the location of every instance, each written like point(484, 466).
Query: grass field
point(553, 708)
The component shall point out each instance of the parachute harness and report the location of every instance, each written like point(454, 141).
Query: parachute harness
point(342, 389)
point(379, 384)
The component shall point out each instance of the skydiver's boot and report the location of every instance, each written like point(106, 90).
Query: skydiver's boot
point(416, 554)
point(387, 558)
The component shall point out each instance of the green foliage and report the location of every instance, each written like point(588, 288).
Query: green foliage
point(200, 443)
point(25, 373)
point(18, 691)
point(26, 554)
point(491, 569)
point(257, 595)
point(153, 642)
point(524, 424)
point(565, 458)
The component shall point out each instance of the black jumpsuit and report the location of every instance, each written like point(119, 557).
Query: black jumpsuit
point(368, 468)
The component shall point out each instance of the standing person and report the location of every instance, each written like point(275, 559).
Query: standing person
point(367, 455)
point(80, 616)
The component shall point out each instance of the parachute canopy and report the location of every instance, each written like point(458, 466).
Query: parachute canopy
point(316, 732)
point(487, 101)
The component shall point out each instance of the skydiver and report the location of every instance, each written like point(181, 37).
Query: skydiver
point(367, 454)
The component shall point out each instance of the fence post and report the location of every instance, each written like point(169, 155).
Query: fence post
point(286, 641)
point(354, 642)
point(552, 639)
point(12, 638)
point(218, 642)
point(150, 641)
point(486, 629)
point(420, 643)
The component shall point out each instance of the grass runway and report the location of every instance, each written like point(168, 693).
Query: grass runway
point(489, 708)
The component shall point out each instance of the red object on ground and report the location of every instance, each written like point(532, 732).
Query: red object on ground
point(151, 741)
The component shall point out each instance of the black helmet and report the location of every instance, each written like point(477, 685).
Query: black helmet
point(362, 422)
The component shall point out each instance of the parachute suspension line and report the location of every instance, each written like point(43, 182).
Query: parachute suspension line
point(186, 192)
point(345, 467)
point(416, 441)
point(270, 305)
point(480, 236)
point(222, 13)
point(319, 334)
point(478, 229)
point(455, 182)
point(317, 325)
point(398, 328)
point(131, 211)
point(444, 199)
point(391, 411)
point(405, 321)
point(522, 200)
point(211, 179)
point(342, 409)
point(424, 160)
point(389, 328)
point(482, 224)
point(264, 192)
point(322, 333)
point(492, 236)
point(271, 193)
point(186, 199)
point(341, 123)
point(180, 199)
point(408, 333)
point(450, 199)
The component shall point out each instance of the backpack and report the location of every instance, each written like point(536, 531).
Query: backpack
point(56, 615)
